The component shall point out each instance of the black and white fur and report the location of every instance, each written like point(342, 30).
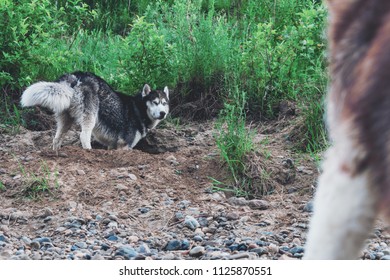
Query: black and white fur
point(114, 119)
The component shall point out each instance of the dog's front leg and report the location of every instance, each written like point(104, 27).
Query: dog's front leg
point(344, 206)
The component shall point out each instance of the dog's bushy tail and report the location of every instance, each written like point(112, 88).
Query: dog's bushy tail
point(52, 95)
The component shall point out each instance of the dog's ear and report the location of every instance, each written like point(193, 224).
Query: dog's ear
point(146, 90)
point(166, 90)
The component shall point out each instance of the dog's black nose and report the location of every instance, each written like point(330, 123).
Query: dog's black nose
point(162, 115)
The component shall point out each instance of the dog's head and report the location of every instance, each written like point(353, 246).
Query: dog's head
point(157, 102)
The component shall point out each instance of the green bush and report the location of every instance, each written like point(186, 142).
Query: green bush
point(147, 57)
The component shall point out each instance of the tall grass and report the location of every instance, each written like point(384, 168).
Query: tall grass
point(234, 140)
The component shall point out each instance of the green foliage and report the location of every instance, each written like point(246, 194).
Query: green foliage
point(147, 57)
point(277, 61)
point(234, 140)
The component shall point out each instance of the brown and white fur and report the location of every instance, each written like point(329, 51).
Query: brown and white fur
point(355, 185)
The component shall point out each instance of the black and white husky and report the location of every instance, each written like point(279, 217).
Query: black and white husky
point(116, 120)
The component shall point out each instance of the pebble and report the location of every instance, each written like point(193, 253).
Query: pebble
point(258, 204)
point(197, 251)
point(81, 245)
point(308, 207)
point(197, 238)
point(191, 222)
point(173, 245)
point(3, 238)
point(238, 201)
point(297, 250)
point(273, 248)
point(144, 210)
point(127, 252)
point(259, 251)
point(113, 238)
point(26, 240)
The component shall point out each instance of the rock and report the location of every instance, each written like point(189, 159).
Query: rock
point(273, 248)
point(18, 215)
point(144, 249)
point(42, 240)
point(191, 222)
point(133, 239)
point(127, 252)
point(232, 216)
point(173, 245)
point(258, 204)
point(179, 216)
point(3, 238)
point(81, 245)
point(121, 187)
point(144, 210)
point(184, 204)
point(218, 196)
point(386, 257)
point(297, 242)
point(304, 170)
point(203, 222)
point(26, 240)
point(197, 251)
point(80, 172)
point(297, 250)
point(308, 207)
point(46, 213)
point(238, 201)
point(35, 245)
point(132, 177)
point(245, 255)
point(197, 238)
point(238, 247)
point(259, 251)
point(113, 237)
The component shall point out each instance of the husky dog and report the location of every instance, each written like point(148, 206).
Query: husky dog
point(116, 120)
point(355, 185)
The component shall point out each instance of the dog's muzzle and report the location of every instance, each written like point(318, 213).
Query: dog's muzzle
point(162, 115)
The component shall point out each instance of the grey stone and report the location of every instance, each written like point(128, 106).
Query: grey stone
point(127, 252)
point(191, 222)
point(197, 251)
point(308, 207)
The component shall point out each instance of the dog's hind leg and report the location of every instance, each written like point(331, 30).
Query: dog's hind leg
point(64, 123)
point(344, 204)
point(87, 125)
